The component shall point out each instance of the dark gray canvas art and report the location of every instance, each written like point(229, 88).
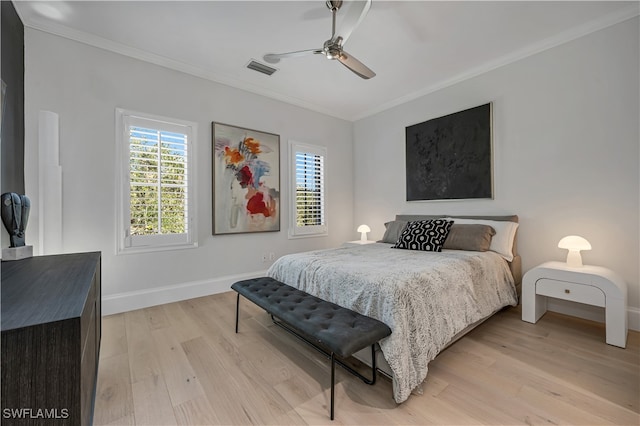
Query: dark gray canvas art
point(450, 157)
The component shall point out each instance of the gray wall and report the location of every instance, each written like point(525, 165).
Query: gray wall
point(566, 156)
point(566, 151)
point(84, 85)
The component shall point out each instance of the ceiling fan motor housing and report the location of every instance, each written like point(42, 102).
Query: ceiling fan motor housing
point(332, 48)
point(334, 4)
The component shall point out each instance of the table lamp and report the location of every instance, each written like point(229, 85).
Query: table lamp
point(574, 244)
point(363, 229)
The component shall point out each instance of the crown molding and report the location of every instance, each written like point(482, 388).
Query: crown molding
point(606, 21)
point(163, 61)
point(80, 36)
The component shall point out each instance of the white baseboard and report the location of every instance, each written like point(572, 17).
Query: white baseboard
point(592, 313)
point(132, 300)
point(634, 318)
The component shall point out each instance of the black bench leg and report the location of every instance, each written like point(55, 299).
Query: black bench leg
point(374, 369)
point(237, 311)
point(333, 375)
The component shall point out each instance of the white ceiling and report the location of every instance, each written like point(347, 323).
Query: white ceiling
point(414, 47)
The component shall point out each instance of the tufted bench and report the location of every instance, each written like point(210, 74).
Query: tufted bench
point(330, 328)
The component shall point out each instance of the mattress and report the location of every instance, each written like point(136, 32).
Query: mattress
point(426, 298)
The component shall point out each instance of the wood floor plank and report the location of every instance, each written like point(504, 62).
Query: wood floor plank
point(430, 410)
point(183, 326)
point(565, 365)
point(152, 403)
point(114, 398)
point(572, 394)
point(480, 401)
point(477, 404)
point(434, 385)
point(256, 393)
point(506, 371)
point(129, 420)
point(182, 383)
point(219, 390)
point(156, 317)
point(113, 337)
point(143, 358)
point(558, 411)
point(348, 410)
point(486, 381)
point(228, 389)
point(196, 412)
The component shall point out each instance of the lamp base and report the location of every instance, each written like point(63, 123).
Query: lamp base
point(17, 253)
point(574, 259)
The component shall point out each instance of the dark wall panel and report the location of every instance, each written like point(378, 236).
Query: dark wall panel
point(13, 115)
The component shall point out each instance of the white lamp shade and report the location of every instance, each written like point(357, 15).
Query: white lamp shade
point(574, 244)
point(363, 229)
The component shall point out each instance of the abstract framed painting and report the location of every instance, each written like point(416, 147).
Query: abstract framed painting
point(246, 180)
point(450, 157)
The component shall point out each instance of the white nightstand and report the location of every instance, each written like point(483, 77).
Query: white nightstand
point(359, 242)
point(592, 285)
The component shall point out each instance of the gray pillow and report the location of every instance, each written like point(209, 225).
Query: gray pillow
point(393, 231)
point(475, 237)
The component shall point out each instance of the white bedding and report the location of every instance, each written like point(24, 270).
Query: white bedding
point(426, 298)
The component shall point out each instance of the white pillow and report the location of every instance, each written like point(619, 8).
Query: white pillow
point(502, 242)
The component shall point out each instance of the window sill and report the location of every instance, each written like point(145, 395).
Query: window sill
point(152, 249)
point(296, 237)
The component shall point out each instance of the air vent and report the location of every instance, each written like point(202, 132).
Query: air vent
point(264, 69)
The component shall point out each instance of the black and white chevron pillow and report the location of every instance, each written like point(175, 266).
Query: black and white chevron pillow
point(425, 235)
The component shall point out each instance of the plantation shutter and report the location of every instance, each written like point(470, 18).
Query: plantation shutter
point(309, 190)
point(158, 183)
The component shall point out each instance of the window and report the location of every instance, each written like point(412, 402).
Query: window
point(156, 188)
point(308, 190)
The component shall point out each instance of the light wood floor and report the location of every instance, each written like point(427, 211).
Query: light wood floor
point(182, 363)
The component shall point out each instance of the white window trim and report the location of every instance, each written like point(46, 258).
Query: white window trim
point(155, 242)
point(295, 231)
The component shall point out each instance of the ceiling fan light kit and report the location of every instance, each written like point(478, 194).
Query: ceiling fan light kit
point(333, 48)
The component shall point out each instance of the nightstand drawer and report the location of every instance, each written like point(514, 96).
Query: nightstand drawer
point(591, 285)
point(582, 293)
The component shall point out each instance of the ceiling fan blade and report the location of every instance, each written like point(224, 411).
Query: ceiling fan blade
point(274, 58)
point(355, 65)
point(354, 15)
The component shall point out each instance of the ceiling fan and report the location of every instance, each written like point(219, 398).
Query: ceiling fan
point(333, 48)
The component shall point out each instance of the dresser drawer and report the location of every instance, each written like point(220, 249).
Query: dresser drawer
point(582, 293)
point(50, 337)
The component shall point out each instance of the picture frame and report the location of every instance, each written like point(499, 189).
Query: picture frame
point(246, 180)
point(451, 157)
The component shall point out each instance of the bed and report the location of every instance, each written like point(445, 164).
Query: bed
point(429, 299)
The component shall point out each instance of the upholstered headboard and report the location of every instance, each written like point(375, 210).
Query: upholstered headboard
point(515, 265)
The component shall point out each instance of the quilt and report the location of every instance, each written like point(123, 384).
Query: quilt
point(426, 298)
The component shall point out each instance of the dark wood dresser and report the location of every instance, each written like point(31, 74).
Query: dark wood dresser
point(51, 328)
